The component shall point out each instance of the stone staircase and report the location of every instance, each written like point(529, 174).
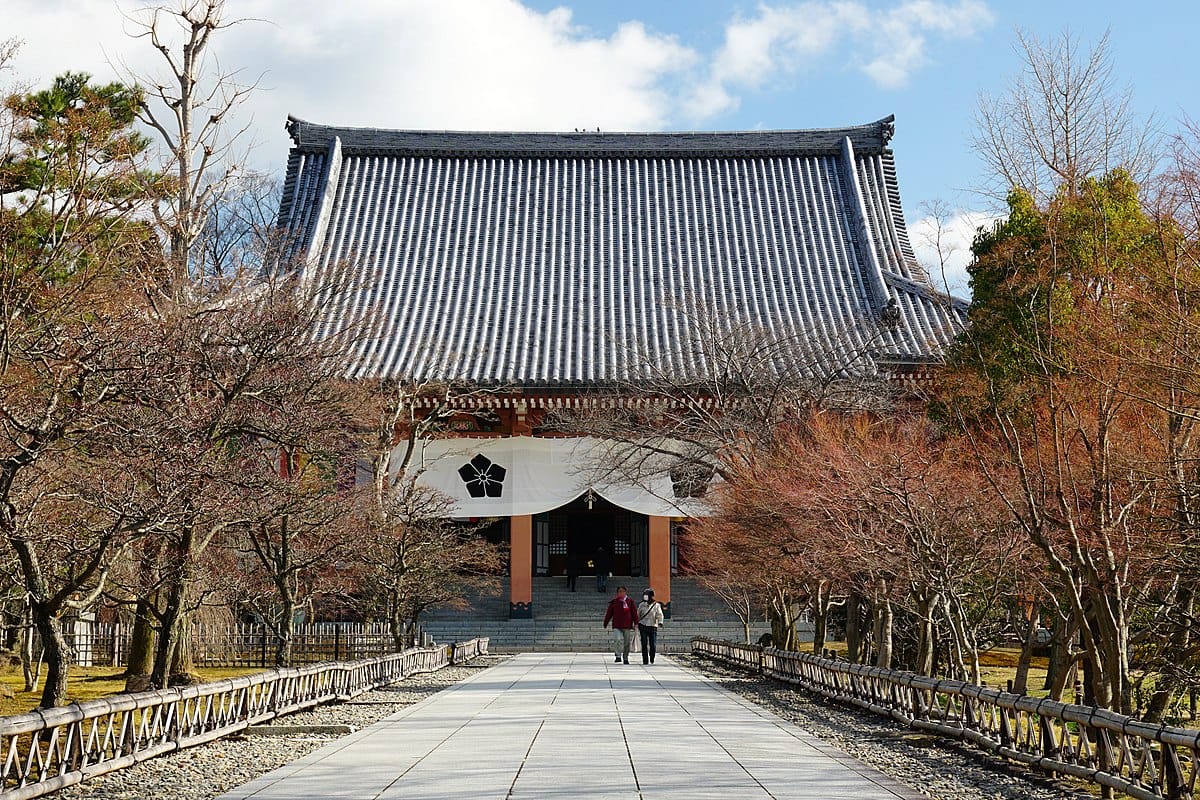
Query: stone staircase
point(571, 621)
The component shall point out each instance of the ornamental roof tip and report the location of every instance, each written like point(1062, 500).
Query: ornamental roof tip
point(872, 137)
point(925, 290)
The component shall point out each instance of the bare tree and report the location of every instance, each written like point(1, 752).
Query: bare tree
point(239, 383)
point(749, 384)
point(415, 555)
point(240, 233)
point(748, 379)
point(939, 238)
point(300, 514)
point(190, 108)
point(1062, 119)
point(68, 237)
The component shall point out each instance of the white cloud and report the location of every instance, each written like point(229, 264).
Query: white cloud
point(496, 64)
point(942, 243)
point(453, 64)
point(887, 45)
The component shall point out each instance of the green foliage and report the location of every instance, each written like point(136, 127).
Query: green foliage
point(1008, 296)
point(75, 166)
point(1036, 274)
point(71, 120)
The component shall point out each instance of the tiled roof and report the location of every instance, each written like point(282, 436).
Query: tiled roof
point(541, 259)
point(871, 138)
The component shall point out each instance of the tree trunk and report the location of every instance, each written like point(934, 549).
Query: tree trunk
point(140, 662)
point(820, 608)
point(781, 611)
point(57, 655)
point(173, 619)
point(27, 667)
point(396, 622)
point(44, 614)
point(142, 637)
point(1021, 680)
point(1095, 683)
point(1181, 640)
point(926, 602)
point(183, 668)
point(883, 628)
point(285, 631)
point(170, 658)
point(14, 626)
point(853, 627)
point(1111, 650)
point(1061, 671)
point(1160, 700)
point(970, 649)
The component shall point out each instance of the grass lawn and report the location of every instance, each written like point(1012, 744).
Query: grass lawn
point(85, 683)
point(996, 667)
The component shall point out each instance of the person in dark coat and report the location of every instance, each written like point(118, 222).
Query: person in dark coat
point(622, 613)
point(572, 570)
point(603, 568)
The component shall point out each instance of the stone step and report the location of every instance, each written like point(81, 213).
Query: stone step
point(570, 621)
point(542, 636)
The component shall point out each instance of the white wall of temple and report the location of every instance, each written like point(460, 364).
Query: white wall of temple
point(522, 475)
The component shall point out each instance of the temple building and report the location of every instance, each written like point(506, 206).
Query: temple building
point(549, 268)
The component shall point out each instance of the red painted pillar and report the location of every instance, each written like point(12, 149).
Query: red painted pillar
point(660, 561)
point(520, 565)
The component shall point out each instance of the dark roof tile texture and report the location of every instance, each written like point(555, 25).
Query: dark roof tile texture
point(310, 137)
point(567, 259)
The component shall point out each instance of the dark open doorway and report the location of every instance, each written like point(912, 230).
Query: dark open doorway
point(577, 530)
point(587, 533)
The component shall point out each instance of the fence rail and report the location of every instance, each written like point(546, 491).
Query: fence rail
point(235, 644)
point(45, 751)
point(1143, 760)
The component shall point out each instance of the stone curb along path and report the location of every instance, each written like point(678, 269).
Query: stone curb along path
point(204, 772)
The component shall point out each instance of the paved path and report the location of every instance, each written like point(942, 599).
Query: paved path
point(576, 725)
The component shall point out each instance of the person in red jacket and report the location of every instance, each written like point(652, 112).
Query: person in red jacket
point(622, 613)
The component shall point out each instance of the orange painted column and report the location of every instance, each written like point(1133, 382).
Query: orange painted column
point(520, 567)
point(660, 561)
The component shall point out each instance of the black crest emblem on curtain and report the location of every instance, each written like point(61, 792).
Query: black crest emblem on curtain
point(482, 477)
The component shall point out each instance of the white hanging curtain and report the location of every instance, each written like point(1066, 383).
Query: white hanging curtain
point(513, 476)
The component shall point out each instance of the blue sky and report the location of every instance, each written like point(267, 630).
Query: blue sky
point(647, 64)
point(1154, 46)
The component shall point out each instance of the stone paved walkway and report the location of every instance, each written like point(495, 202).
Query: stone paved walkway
point(558, 725)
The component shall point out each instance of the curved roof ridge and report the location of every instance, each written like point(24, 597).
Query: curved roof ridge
point(926, 289)
point(872, 137)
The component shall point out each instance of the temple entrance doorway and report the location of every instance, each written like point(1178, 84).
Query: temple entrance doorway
point(587, 535)
point(580, 529)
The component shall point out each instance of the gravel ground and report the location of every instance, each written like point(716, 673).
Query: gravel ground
point(938, 768)
point(207, 771)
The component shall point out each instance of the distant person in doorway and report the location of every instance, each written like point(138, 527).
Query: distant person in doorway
point(603, 568)
point(572, 570)
point(622, 613)
point(650, 616)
